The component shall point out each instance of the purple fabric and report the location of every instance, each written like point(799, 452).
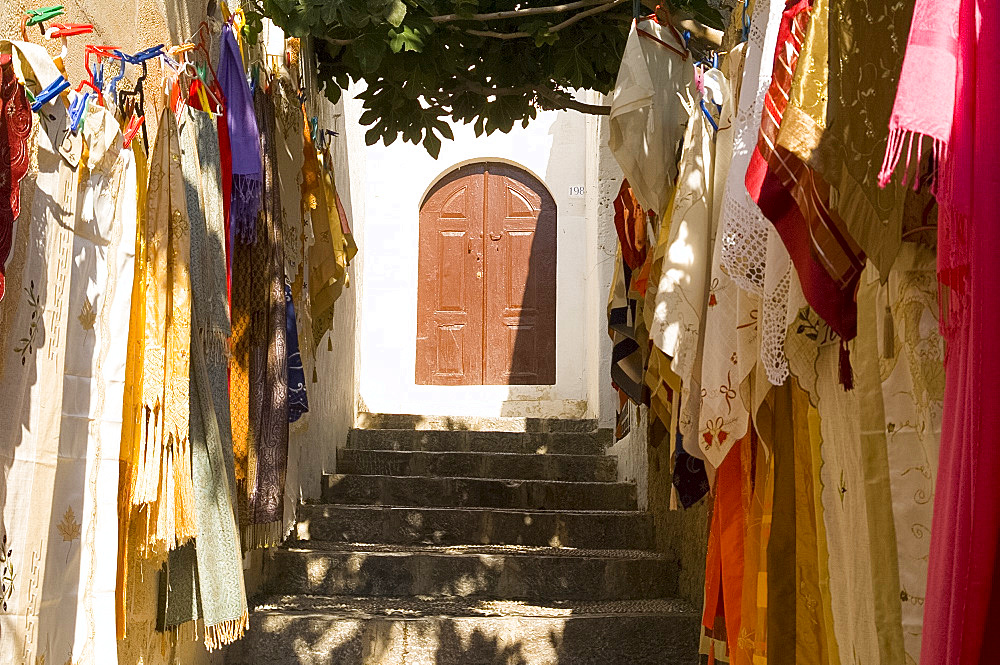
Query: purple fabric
point(244, 140)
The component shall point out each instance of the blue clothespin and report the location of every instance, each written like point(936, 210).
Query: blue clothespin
point(313, 127)
point(687, 38)
point(98, 77)
point(113, 86)
point(145, 54)
point(715, 59)
point(50, 92)
point(77, 108)
point(711, 120)
point(746, 21)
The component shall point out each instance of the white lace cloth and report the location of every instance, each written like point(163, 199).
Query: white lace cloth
point(751, 251)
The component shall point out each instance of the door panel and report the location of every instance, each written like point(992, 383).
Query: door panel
point(521, 279)
point(450, 284)
point(486, 288)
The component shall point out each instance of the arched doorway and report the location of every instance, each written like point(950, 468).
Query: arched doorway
point(486, 294)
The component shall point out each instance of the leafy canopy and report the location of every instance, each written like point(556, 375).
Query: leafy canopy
point(491, 63)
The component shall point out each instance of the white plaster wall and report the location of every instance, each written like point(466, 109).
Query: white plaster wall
point(604, 178)
point(555, 148)
point(633, 456)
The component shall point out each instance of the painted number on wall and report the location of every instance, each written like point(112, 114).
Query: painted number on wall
point(577, 190)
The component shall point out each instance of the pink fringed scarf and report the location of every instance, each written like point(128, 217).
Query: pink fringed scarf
point(948, 91)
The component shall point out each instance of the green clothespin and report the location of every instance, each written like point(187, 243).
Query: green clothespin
point(43, 14)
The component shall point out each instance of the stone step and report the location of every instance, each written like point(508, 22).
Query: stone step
point(477, 492)
point(366, 420)
point(298, 630)
point(509, 572)
point(529, 443)
point(581, 468)
point(475, 526)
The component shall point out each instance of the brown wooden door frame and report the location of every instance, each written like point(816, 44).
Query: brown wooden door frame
point(488, 316)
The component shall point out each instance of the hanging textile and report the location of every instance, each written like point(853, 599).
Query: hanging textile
point(960, 70)
point(161, 487)
point(243, 139)
point(129, 529)
point(856, 490)
point(333, 251)
point(682, 260)
point(204, 578)
point(752, 252)
point(298, 400)
point(14, 157)
point(261, 354)
point(724, 562)
point(730, 329)
point(291, 155)
point(797, 202)
point(863, 79)
point(648, 113)
point(627, 353)
point(62, 329)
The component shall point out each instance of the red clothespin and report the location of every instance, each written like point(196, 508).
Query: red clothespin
point(102, 51)
point(134, 124)
point(69, 29)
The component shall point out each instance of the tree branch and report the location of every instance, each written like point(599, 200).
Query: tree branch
point(517, 13)
point(556, 28)
point(558, 100)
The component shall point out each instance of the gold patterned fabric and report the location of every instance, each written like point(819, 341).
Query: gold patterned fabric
point(160, 493)
point(804, 121)
point(862, 87)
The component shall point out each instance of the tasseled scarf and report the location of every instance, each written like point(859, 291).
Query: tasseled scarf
point(244, 141)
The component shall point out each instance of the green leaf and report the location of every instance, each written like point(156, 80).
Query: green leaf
point(368, 49)
point(373, 135)
point(397, 12)
point(405, 39)
point(432, 144)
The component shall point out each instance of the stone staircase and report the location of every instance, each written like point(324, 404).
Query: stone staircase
point(458, 547)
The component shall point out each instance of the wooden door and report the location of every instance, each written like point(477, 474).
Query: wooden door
point(487, 280)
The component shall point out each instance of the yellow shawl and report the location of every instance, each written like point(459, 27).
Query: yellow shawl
point(156, 497)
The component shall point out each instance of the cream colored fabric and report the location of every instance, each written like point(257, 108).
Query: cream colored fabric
point(912, 374)
point(870, 495)
point(649, 112)
point(730, 323)
point(682, 259)
point(63, 364)
point(815, 362)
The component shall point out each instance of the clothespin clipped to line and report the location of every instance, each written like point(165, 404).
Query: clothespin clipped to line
point(134, 124)
point(50, 92)
point(64, 30)
point(746, 21)
point(77, 110)
point(38, 17)
point(313, 127)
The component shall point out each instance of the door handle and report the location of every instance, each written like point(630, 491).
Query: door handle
point(496, 236)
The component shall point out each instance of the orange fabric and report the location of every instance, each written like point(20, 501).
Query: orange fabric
point(724, 562)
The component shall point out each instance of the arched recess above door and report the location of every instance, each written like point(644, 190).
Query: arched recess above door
point(486, 291)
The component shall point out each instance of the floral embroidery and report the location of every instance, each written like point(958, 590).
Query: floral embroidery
point(6, 573)
point(87, 316)
point(816, 330)
point(26, 345)
point(69, 528)
point(715, 432)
